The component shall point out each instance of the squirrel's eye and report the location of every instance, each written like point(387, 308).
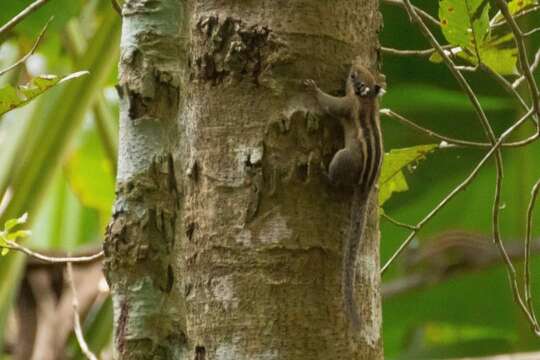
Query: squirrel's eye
point(353, 76)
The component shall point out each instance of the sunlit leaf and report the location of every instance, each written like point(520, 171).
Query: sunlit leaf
point(499, 53)
point(20, 234)
point(436, 58)
point(13, 97)
point(11, 223)
point(502, 61)
point(465, 22)
point(516, 6)
point(392, 178)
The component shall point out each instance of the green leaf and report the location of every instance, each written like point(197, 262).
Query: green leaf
point(516, 6)
point(392, 178)
point(13, 97)
point(11, 223)
point(498, 53)
point(90, 174)
point(44, 140)
point(502, 61)
point(4, 251)
point(436, 58)
point(20, 234)
point(465, 22)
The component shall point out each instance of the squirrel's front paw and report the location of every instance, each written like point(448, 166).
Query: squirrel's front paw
point(311, 85)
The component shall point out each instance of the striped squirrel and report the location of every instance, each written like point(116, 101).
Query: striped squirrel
point(355, 167)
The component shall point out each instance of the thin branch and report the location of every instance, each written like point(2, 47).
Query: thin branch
point(76, 319)
point(457, 189)
point(534, 66)
point(531, 32)
point(467, 68)
point(522, 55)
point(506, 85)
point(422, 13)
point(428, 132)
point(398, 52)
point(517, 16)
point(50, 259)
point(32, 50)
point(535, 97)
point(20, 16)
point(422, 53)
point(528, 236)
point(398, 223)
point(452, 142)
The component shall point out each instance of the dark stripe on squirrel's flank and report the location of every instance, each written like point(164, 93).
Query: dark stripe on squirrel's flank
point(376, 150)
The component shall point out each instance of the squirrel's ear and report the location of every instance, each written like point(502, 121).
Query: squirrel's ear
point(381, 84)
point(378, 90)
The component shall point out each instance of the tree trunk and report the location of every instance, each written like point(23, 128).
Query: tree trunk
point(225, 241)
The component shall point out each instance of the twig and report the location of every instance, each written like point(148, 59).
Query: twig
point(507, 86)
point(398, 52)
point(526, 263)
point(76, 319)
point(467, 68)
point(20, 16)
point(399, 223)
point(428, 132)
point(457, 189)
point(534, 66)
point(452, 141)
point(422, 13)
point(451, 50)
point(516, 16)
point(32, 50)
point(522, 55)
point(50, 259)
point(535, 97)
point(531, 32)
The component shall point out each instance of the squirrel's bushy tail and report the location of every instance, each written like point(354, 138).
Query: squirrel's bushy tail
point(350, 254)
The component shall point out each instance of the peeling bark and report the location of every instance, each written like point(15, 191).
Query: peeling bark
point(225, 242)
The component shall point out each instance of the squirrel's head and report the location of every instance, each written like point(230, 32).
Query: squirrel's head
point(362, 83)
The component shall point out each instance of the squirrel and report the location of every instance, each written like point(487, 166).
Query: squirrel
point(356, 167)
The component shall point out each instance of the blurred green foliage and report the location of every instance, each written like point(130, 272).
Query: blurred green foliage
point(56, 151)
point(472, 313)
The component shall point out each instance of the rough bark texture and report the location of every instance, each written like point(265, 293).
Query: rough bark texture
point(225, 243)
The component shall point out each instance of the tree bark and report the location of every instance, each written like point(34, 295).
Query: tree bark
point(225, 242)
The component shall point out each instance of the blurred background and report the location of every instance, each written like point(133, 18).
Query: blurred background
point(447, 296)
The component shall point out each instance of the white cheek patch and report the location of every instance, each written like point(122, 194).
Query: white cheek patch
point(365, 91)
point(382, 92)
